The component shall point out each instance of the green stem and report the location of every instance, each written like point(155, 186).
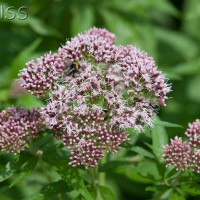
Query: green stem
point(98, 178)
point(44, 170)
point(102, 175)
point(42, 166)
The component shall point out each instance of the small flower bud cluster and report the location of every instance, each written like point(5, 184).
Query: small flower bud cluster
point(90, 75)
point(177, 154)
point(18, 127)
point(193, 134)
point(42, 76)
point(183, 155)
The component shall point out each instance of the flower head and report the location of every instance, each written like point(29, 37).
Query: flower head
point(17, 127)
point(42, 76)
point(177, 154)
point(193, 133)
point(96, 90)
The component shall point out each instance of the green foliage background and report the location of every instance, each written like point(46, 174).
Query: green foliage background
point(167, 30)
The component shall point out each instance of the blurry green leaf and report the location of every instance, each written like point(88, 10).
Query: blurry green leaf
point(131, 172)
point(4, 95)
point(68, 174)
point(178, 41)
point(19, 62)
point(36, 25)
point(166, 7)
point(50, 190)
point(167, 124)
point(112, 165)
point(25, 168)
point(141, 7)
point(6, 172)
point(159, 138)
point(191, 188)
point(151, 189)
point(29, 101)
point(141, 151)
point(187, 68)
point(106, 193)
point(176, 196)
point(193, 89)
point(83, 18)
point(191, 23)
point(137, 34)
point(149, 169)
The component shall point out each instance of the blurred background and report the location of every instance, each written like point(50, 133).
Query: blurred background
point(169, 30)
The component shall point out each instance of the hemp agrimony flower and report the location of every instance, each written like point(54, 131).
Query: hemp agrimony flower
point(182, 155)
point(177, 154)
point(18, 127)
point(96, 91)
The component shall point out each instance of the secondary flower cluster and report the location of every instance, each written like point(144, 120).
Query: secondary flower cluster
point(19, 126)
point(185, 155)
point(96, 90)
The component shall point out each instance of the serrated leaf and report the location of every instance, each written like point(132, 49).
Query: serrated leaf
point(50, 190)
point(27, 165)
point(69, 174)
point(106, 193)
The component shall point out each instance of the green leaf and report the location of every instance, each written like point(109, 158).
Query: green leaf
point(106, 193)
point(187, 68)
point(141, 151)
point(133, 32)
point(51, 190)
point(29, 101)
point(178, 41)
point(168, 124)
point(37, 25)
point(191, 188)
point(131, 172)
point(191, 17)
point(193, 89)
point(176, 196)
point(7, 172)
point(82, 17)
point(159, 138)
point(112, 165)
point(68, 173)
point(150, 172)
point(26, 164)
point(25, 55)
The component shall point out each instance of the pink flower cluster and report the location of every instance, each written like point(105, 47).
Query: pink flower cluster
point(96, 91)
point(183, 155)
point(18, 127)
